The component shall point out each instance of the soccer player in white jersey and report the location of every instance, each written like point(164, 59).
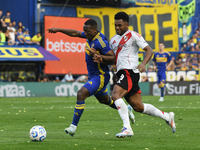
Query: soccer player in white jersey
point(125, 45)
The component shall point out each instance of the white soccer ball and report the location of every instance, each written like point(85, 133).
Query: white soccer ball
point(37, 133)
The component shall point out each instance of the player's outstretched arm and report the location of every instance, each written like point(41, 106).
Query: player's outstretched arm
point(108, 59)
point(70, 32)
point(148, 55)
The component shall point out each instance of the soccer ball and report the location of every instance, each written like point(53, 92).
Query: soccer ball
point(37, 133)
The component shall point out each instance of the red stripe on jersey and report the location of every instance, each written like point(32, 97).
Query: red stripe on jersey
point(129, 80)
point(162, 111)
point(121, 44)
point(138, 92)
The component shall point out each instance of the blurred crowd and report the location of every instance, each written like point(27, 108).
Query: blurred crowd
point(15, 33)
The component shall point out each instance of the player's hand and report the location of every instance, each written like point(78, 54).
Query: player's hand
point(92, 51)
point(97, 58)
point(167, 68)
point(52, 30)
point(141, 67)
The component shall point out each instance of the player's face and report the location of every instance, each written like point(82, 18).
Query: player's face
point(90, 32)
point(161, 47)
point(121, 27)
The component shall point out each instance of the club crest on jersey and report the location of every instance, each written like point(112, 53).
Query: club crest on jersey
point(92, 45)
point(125, 38)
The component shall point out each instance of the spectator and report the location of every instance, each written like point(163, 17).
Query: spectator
point(151, 68)
point(184, 67)
point(145, 79)
point(194, 38)
point(192, 49)
point(1, 17)
point(197, 48)
point(43, 77)
point(8, 38)
point(178, 67)
point(82, 78)
point(11, 31)
point(37, 38)
point(20, 35)
point(198, 58)
point(173, 66)
point(184, 48)
point(190, 66)
point(27, 38)
point(3, 37)
point(57, 79)
point(14, 25)
point(68, 77)
point(188, 45)
point(195, 64)
point(20, 25)
point(7, 18)
point(181, 78)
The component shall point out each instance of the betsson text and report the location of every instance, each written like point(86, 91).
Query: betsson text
point(65, 46)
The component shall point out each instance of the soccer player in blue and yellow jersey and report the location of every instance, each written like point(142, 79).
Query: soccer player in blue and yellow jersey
point(98, 73)
point(162, 62)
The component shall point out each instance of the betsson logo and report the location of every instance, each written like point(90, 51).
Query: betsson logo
point(65, 47)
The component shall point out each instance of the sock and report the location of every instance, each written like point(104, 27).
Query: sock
point(111, 103)
point(153, 111)
point(80, 105)
point(123, 112)
point(162, 91)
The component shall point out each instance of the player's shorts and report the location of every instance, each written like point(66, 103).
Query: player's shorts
point(97, 85)
point(161, 77)
point(128, 80)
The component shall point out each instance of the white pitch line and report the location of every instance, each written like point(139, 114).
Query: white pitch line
point(105, 107)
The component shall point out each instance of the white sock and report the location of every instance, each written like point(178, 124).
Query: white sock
point(123, 111)
point(153, 111)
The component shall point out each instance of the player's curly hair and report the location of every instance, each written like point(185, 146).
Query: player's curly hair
point(122, 15)
point(91, 22)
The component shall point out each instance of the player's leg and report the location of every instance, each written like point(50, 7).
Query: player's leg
point(119, 91)
point(162, 86)
point(136, 102)
point(101, 93)
point(106, 99)
point(82, 94)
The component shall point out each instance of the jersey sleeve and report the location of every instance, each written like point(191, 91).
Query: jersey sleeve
point(169, 57)
point(103, 46)
point(139, 40)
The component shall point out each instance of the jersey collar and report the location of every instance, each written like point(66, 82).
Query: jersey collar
point(96, 36)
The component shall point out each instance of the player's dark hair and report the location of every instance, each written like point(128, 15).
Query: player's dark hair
point(122, 15)
point(91, 22)
point(161, 42)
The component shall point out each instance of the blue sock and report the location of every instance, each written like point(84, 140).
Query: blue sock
point(162, 91)
point(80, 105)
point(111, 103)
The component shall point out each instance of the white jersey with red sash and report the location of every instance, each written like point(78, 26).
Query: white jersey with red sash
point(126, 49)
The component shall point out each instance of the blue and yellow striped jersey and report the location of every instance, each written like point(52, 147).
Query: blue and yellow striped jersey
point(27, 37)
point(161, 59)
point(100, 43)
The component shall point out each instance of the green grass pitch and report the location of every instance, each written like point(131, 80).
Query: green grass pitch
point(98, 125)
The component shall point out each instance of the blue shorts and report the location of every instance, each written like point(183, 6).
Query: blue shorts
point(97, 85)
point(161, 77)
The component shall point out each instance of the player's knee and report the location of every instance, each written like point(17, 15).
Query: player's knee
point(80, 96)
point(138, 108)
